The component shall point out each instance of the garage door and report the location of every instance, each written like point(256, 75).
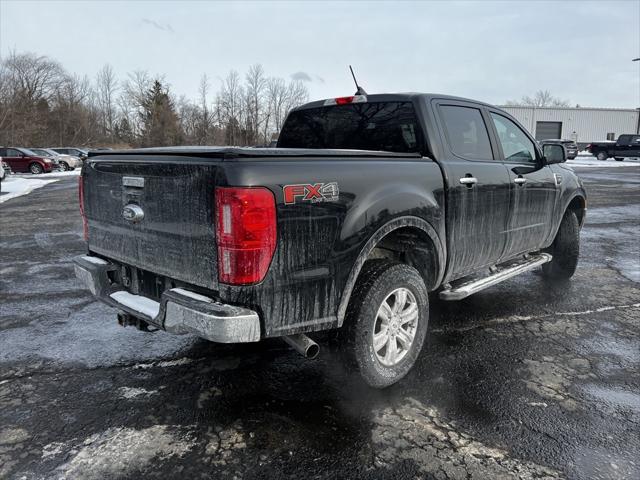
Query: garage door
point(548, 130)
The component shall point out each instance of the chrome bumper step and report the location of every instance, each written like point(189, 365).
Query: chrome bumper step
point(466, 288)
point(178, 310)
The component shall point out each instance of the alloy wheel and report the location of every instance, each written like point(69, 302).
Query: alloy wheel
point(395, 327)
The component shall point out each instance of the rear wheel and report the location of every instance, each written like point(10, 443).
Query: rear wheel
point(602, 156)
point(386, 322)
point(36, 168)
point(565, 249)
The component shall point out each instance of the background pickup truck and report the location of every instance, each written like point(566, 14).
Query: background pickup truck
point(625, 146)
point(368, 204)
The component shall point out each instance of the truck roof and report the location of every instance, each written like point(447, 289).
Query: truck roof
point(397, 97)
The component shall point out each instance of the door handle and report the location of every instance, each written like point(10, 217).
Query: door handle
point(520, 180)
point(468, 181)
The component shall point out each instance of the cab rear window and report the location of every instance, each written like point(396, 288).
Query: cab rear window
point(384, 126)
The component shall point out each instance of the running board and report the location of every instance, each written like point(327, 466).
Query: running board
point(502, 273)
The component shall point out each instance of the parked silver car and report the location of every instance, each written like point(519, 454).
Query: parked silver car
point(66, 162)
point(77, 152)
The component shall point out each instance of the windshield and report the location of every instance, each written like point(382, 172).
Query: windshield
point(385, 126)
point(28, 152)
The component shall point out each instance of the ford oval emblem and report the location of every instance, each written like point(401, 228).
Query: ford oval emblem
point(132, 213)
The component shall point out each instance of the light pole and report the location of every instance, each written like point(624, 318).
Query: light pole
point(638, 126)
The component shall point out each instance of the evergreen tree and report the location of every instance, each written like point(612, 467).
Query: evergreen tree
point(160, 126)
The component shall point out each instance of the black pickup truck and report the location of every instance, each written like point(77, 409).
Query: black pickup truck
point(367, 205)
point(627, 145)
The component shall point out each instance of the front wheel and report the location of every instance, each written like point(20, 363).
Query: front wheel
point(36, 168)
point(602, 156)
point(386, 321)
point(65, 166)
point(565, 249)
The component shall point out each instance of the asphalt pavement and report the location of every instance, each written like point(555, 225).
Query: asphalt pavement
point(524, 380)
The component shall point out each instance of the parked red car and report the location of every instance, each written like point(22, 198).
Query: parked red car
point(23, 160)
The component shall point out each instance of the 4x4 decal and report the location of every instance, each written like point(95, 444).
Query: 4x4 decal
point(311, 192)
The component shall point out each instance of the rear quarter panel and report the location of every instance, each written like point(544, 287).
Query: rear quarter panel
point(318, 243)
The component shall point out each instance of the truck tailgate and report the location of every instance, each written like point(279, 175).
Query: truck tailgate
point(176, 236)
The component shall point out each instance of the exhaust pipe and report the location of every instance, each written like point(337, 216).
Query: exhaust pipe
point(303, 345)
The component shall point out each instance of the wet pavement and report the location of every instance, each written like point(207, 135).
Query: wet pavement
point(526, 379)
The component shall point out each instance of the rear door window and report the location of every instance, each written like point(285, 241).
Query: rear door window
point(466, 132)
point(384, 126)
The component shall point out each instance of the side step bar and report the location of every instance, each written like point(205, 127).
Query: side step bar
point(470, 287)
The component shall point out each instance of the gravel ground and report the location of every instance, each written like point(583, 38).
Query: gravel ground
point(525, 380)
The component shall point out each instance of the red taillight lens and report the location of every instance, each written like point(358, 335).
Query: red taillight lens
point(85, 227)
point(245, 233)
point(343, 100)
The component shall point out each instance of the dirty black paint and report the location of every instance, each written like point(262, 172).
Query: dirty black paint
point(321, 246)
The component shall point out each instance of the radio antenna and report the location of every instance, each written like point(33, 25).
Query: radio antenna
point(359, 89)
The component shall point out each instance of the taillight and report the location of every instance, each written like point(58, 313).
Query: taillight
point(245, 233)
point(346, 100)
point(85, 226)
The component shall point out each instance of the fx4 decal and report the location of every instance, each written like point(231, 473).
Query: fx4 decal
point(316, 192)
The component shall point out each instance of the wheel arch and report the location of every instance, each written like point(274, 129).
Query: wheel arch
point(578, 205)
point(409, 238)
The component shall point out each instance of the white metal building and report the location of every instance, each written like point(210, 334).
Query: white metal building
point(583, 125)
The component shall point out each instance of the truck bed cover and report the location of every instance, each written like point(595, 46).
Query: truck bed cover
point(249, 152)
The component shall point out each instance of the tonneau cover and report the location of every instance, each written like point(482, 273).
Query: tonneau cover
point(248, 152)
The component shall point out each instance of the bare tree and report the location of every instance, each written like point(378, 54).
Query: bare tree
point(204, 123)
point(106, 88)
point(542, 98)
point(29, 82)
point(230, 101)
point(255, 89)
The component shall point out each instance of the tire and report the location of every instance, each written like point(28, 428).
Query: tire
point(380, 285)
point(65, 166)
point(36, 168)
point(565, 249)
point(602, 156)
point(619, 159)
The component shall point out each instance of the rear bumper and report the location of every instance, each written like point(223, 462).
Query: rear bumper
point(179, 310)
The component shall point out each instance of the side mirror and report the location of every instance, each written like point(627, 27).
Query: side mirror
point(554, 153)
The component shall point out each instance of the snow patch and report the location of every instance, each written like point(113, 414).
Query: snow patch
point(193, 295)
point(144, 305)
point(95, 260)
point(133, 392)
point(591, 162)
point(166, 363)
point(17, 187)
point(120, 452)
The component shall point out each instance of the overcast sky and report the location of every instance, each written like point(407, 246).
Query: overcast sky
point(490, 51)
